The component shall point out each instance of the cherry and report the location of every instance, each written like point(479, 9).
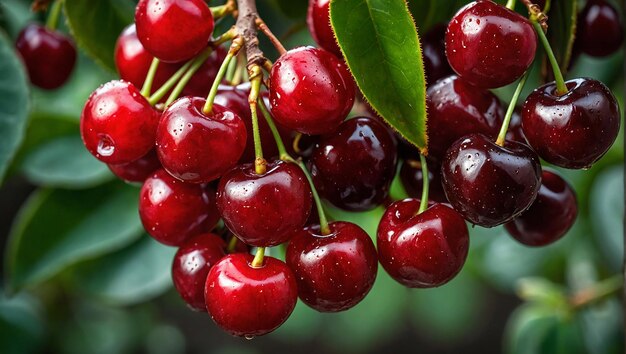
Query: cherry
point(248, 301)
point(173, 31)
point(490, 184)
point(412, 180)
point(601, 31)
point(573, 130)
point(138, 170)
point(311, 91)
point(49, 55)
point(434, 51)
point(192, 263)
point(489, 45)
point(456, 108)
point(353, 167)
point(422, 250)
point(305, 145)
point(117, 124)
point(318, 21)
point(264, 209)
point(172, 211)
point(549, 217)
point(197, 147)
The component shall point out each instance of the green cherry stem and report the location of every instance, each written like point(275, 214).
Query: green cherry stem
point(257, 262)
point(53, 16)
point(147, 84)
point(510, 4)
point(561, 88)
point(195, 64)
point(169, 84)
point(223, 10)
point(425, 185)
point(282, 151)
point(597, 292)
point(256, 76)
point(231, 244)
point(230, 72)
point(509, 112)
point(232, 51)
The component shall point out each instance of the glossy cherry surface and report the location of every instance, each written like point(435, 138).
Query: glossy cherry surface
point(172, 211)
point(422, 250)
point(197, 147)
point(434, 51)
point(573, 130)
point(138, 170)
point(49, 55)
point(412, 179)
point(247, 301)
point(353, 167)
point(489, 45)
point(318, 21)
point(264, 209)
point(490, 184)
point(601, 31)
point(117, 124)
point(334, 272)
point(173, 30)
point(311, 91)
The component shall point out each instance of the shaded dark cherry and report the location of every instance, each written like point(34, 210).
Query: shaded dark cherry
point(573, 130)
point(490, 184)
point(601, 32)
point(264, 209)
point(117, 124)
point(304, 146)
point(247, 301)
point(196, 147)
point(318, 21)
point(434, 51)
point(422, 250)
point(550, 216)
point(515, 131)
point(353, 167)
point(173, 211)
point(412, 180)
point(49, 55)
point(334, 272)
point(489, 45)
point(311, 91)
point(138, 170)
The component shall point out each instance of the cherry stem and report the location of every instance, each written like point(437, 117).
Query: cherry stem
point(282, 151)
point(295, 145)
point(231, 245)
point(147, 84)
point(546, 7)
point(256, 76)
point(425, 183)
point(240, 72)
point(224, 10)
point(509, 112)
point(597, 292)
point(269, 34)
point(53, 16)
point(561, 88)
point(235, 46)
point(160, 93)
point(194, 65)
point(257, 262)
point(230, 72)
point(510, 4)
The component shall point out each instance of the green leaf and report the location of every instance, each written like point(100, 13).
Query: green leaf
point(607, 214)
point(292, 8)
point(21, 325)
point(562, 31)
point(57, 228)
point(380, 44)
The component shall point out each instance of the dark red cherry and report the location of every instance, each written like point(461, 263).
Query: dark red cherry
point(455, 109)
point(489, 45)
point(138, 170)
point(413, 179)
point(117, 124)
point(173, 31)
point(573, 130)
point(422, 250)
point(301, 144)
point(318, 20)
point(49, 55)
point(334, 272)
point(264, 209)
point(311, 91)
point(601, 32)
point(549, 217)
point(434, 51)
point(191, 265)
point(353, 167)
point(248, 301)
point(173, 211)
point(490, 184)
point(197, 147)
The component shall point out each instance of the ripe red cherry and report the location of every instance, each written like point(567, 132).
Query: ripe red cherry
point(412, 180)
point(434, 50)
point(334, 272)
point(573, 130)
point(318, 20)
point(247, 301)
point(601, 32)
point(191, 265)
point(264, 209)
point(138, 170)
point(422, 250)
point(490, 184)
point(117, 124)
point(550, 216)
point(197, 147)
point(489, 45)
point(49, 55)
point(173, 211)
point(353, 167)
point(455, 109)
point(173, 31)
point(311, 91)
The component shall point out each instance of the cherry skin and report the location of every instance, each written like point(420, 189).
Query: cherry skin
point(413, 179)
point(265, 209)
point(318, 21)
point(422, 250)
point(197, 147)
point(490, 184)
point(601, 31)
point(117, 124)
point(550, 216)
point(191, 265)
point(573, 130)
point(138, 170)
point(311, 91)
point(172, 211)
point(248, 301)
point(174, 31)
point(456, 108)
point(489, 45)
point(434, 50)
point(334, 272)
point(353, 167)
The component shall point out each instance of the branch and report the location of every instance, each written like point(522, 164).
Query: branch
point(246, 27)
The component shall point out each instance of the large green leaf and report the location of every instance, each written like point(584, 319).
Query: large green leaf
point(607, 211)
point(380, 44)
point(21, 325)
